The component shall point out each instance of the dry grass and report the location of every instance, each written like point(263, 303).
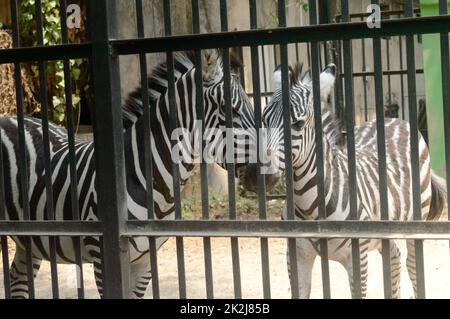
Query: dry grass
point(7, 83)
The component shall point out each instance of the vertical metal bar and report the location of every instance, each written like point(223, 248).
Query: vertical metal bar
point(3, 216)
point(414, 135)
point(4, 239)
point(351, 153)
point(203, 166)
point(315, 74)
point(70, 126)
point(5, 261)
point(402, 86)
point(23, 163)
point(445, 62)
point(286, 99)
point(388, 65)
point(261, 179)
point(175, 166)
point(308, 51)
point(46, 147)
point(266, 89)
point(147, 151)
point(384, 206)
point(338, 91)
point(230, 166)
point(364, 78)
point(108, 140)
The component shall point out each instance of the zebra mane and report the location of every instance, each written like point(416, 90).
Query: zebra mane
point(333, 127)
point(158, 83)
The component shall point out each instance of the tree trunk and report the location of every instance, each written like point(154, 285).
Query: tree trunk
point(5, 12)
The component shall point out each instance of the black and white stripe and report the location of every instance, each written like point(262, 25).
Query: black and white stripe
point(134, 136)
point(398, 162)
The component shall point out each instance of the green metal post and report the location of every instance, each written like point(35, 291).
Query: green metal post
point(433, 89)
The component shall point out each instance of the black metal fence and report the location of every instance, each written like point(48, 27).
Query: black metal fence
point(114, 228)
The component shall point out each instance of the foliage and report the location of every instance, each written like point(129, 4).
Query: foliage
point(54, 69)
point(246, 206)
point(303, 4)
point(273, 15)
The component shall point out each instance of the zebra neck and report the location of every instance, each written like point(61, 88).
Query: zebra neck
point(159, 140)
point(305, 180)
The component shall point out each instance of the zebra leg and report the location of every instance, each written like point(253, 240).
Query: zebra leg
point(93, 245)
point(140, 276)
point(306, 254)
point(364, 265)
point(411, 264)
point(396, 267)
point(140, 270)
point(18, 274)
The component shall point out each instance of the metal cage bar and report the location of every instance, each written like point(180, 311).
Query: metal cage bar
point(108, 141)
point(70, 126)
point(351, 153)
point(46, 147)
point(175, 166)
point(115, 228)
point(203, 167)
point(286, 100)
point(264, 244)
point(147, 151)
point(445, 61)
point(282, 35)
point(230, 147)
point(23, 163)
point(320, 171)
point(414, 136)
point(381, 154)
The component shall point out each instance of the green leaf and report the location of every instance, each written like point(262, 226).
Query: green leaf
point(76, 73)
point(75, 99)
point(27, 16)
point(57, 101)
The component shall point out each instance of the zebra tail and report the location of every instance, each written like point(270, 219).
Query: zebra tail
point(438, 197)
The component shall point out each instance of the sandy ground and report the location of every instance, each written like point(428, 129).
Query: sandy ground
point(437, 276)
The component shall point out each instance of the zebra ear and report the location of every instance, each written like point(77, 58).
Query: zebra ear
point(276, 78)
point(211, 65)
point(306, 77)
point(327, 79)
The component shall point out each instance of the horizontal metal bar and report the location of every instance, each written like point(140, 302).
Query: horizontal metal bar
point(235, 228)
point(323, 32)
point(51, 228)
point(263, 94)
point(383, 14)
point(46, 53)
point(388, 72)
point(291, 229)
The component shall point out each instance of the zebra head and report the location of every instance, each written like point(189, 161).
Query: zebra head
point(302, 122)
point(183, 143)
point(242, 136)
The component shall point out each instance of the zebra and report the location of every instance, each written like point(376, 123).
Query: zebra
point(432, 188)
point(185, 85)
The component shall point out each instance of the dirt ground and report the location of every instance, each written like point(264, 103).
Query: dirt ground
point(437, 276)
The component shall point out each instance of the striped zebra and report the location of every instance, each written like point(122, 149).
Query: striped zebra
point(140, 274)
point(398, 160)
